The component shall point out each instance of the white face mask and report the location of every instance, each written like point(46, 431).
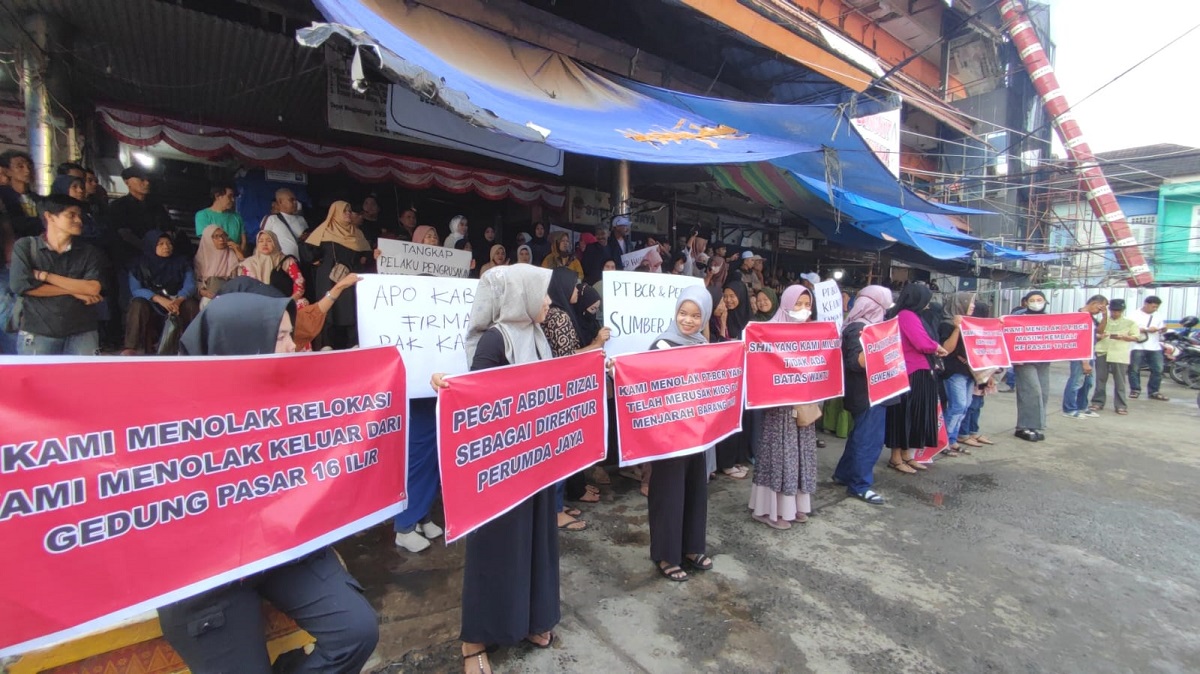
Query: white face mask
point(1037, 306)
point(801, 315)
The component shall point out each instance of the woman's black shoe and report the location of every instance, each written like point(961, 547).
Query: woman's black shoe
point(1039, 435)
point(1027, 435)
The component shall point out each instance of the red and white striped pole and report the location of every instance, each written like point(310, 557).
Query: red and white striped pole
point(1099, 194)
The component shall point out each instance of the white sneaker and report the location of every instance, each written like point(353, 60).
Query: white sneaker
point(430, 530)
point(1071, 415)
point(412, 541)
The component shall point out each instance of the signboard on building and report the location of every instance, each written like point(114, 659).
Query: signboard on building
point(13, 135)
point(392, 111)
point(882, 133)
point(592, 208)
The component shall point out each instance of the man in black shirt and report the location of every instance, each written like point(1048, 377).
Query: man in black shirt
point(133, 215)
point(18, 198)
point(58, 278)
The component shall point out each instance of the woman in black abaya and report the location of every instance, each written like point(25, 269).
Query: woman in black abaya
point(734, 452)
point(511, 578)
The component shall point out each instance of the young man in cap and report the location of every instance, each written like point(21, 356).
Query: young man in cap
point(58, 278)
point(1148, 349)
point(752, 274)
point(619, 243)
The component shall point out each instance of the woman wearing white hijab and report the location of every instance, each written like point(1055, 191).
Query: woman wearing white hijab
point(510, 579)
point(458, 231)
point(678, 498)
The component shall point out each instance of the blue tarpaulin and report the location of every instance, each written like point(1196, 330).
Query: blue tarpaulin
point(536, 94)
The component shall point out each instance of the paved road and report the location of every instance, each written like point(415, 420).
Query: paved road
point(1077, 554)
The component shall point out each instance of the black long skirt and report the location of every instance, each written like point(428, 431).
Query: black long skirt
point(736, 449)
point(510, 581)
point(912, 422)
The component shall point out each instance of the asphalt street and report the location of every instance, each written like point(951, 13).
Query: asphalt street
point(1076, 554)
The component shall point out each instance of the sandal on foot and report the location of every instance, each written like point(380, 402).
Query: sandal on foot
point(901, 467)
point(485, 666)
point(548, 644)
point(737, 472)
point(1158, 396)
point(699, 562)
point(589, 497)
point(1122, 412)
point(572, 512)
point(600, 477)
point(970, 442)
point(1134, 394)
point(868, 496)
point(913, 463)
point(782, 525)
point(951, 451)
point(672, 573)
point(573, 525)
point(820, 444)
point(984, 441)
point(1096, 408)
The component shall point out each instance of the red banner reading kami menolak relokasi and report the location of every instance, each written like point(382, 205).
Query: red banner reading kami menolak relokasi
point(677, 401)
point(1046, 338)
point(506, 433)
point(883, 354)
point(170, 480)
point(983, 341)
point(792, 363)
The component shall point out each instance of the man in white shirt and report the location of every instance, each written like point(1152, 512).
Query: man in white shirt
point(287, 224)
point(1148, 352)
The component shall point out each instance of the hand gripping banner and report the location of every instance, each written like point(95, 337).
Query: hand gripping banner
point(506, 433)
point(166, 477)
point(983, 340)
point(1045, 338)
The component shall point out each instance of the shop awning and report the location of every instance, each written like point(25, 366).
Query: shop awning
point(272, 151)
point(533, 93)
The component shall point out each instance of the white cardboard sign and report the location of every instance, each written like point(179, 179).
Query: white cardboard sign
point(415, 259)
point(425, 317)
point(639, 306)
point(828, 302)
point(630, 261)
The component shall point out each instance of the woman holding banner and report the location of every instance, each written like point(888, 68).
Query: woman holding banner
point(912, 423)
point(734, 452)
point(856, 469)
point(958, 378)
point(222, 630)
point(563, 331)
point(510, 578)
point(1032, 381)
point(678, 499)
point(785, 470)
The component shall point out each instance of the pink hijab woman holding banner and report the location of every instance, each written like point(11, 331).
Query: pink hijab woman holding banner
point(785, 469)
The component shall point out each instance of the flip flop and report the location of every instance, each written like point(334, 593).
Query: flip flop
point(673, 573)
point(700, 562)
point(867, 496)
point(571, 526)
point(984, 441)
point(899, 467)
point(535, 644)
point(572, 512)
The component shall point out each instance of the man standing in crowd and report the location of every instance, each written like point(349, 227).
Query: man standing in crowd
point(618, 243)
point(286, 223)
point(1079, 381)
point(752, 275)
point(96, 195)
point(17, 196)
point(408, 224)
point(70, 168)
point(1148, 349)
point(59, 280)
point(221, 214)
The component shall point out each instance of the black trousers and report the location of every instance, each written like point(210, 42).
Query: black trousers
point(221, 631)
point(678, 508)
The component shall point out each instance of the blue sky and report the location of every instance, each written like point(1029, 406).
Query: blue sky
point(1159, 102)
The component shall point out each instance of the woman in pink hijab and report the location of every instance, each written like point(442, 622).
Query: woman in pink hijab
point(785, 468)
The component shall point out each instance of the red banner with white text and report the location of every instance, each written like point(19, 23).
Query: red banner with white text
point(926, 454)
point(170, 476)
point(983, 340)
point(506, 433)
point(674, 402)
point(792, 363)
point(887, 376)
point(1046, 338)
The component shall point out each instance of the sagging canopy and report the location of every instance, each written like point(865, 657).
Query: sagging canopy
point(532, 93)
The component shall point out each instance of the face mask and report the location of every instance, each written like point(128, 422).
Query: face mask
point(1037, 306)
point(801, 315)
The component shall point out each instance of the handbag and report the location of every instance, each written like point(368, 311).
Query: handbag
point(281, 280)
point(338, 271)
point(168, 343)
point(936, 364)
point(807, 414)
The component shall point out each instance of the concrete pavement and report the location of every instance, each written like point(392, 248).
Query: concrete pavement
point(1077, 554)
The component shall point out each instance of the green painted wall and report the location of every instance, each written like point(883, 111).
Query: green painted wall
point(1178, 247)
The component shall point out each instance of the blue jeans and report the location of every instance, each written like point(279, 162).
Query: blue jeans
point(1152, 358)
point(958, 398)
point(1079, 387)
point(1010, 378)
point(83, 344)
point(856, 469)
point(970, 424)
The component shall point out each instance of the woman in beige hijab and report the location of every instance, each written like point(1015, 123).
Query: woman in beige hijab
point(499, 258)
point(216, 262)
point(338, 242)
point(269, 265)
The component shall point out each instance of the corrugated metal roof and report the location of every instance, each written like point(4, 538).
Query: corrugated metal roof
point(1138, 169)
point(162, 57)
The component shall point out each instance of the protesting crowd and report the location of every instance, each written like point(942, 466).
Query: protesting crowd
point(86, 276)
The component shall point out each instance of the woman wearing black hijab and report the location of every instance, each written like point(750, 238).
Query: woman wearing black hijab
point(163, 288)
point(221, 630)
point(1032, 381)
point(734, 452)
point(587, 314)
point(912, 422)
